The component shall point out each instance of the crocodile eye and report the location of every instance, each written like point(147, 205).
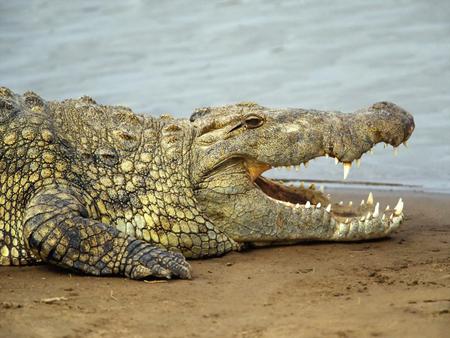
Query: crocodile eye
point(253, 121)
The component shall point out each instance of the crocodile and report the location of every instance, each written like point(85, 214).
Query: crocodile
point(100, 190)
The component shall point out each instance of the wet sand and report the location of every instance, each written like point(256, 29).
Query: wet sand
point(399, 287)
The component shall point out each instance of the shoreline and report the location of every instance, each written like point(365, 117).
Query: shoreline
point(393, 287)
point(351, 185)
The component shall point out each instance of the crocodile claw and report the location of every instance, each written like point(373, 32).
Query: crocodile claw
point(155, 262)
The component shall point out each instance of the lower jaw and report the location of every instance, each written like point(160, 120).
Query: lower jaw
point(310, 197)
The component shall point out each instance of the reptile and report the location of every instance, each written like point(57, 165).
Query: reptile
point(100, 190)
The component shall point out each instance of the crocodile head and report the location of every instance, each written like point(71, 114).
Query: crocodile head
point(236, 144)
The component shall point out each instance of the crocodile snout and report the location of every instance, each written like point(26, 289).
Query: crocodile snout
point(397, 111)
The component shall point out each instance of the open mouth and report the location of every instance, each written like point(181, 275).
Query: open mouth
point(368, 210)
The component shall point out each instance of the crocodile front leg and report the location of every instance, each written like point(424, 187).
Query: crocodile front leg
point(59, 231)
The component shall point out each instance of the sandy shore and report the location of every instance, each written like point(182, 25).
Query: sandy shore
point(399, 287)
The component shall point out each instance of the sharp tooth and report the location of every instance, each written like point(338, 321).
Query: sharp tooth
point(350, 203)
point(383, 217)
point(307, 205)
point(321, 188)
point(306, 164)
point(399, 207)
point(297, 168)
point(387, 208)
point(362, 202)
point(369, 215)
point(341, 203)
point(395, 151)
point(358, 163)
point(326, 155)
point(347, 166)
point(391, 217)
point(370, 198)
point(336, 161)
point(371, 151)
point(328, 208)
point(347, 221)
point(405, 144)
point(376, 212)
point(302, 184)
point(318, 205)
point(363, 218)
point(297, 205)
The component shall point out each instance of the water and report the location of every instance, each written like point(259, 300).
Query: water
point(175, 56)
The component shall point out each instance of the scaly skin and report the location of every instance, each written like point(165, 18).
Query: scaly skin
point(103, 191)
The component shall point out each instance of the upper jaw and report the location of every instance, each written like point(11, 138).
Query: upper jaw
point(305, 135)
point(302, 135)
point(256, 168)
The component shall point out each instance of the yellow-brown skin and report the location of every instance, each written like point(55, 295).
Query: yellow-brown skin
point(103, 191)
point(114, 177)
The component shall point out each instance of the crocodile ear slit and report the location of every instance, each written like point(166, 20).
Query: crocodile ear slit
point(107, 156)
point(239, 125)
